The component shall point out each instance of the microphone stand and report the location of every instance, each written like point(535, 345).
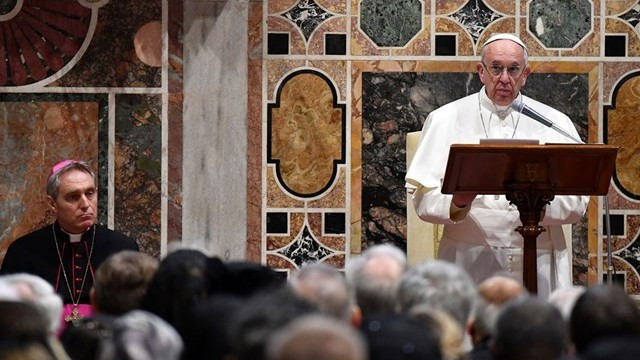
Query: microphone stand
point(520, 106)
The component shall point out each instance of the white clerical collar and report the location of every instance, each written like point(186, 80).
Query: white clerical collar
point(74, 238)
point(501, 110)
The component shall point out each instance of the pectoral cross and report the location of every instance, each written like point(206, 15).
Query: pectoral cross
point(75, 315)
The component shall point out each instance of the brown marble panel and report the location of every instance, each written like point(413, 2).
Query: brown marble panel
point(445, 7)
point(623, 131)
point(592, 246)
point(632, 285)
point(533, 44)
point(336, 197)
point(254, 29)
point(254, 162)
point(297, 44)
point(296, 222)
point(617, 7)
point(617, 201)
point(617, 26)
point(276, 69)
point(331, 25)
point(137, 169)
point(337, 261)
point(506, 7)
point(336, 243)
point(334, 6)
point(175, 26)
point(420, 45)
point(361, 44)
point(632, 231)
point(279, 262)
point(337, 71)
point(35, 136)
point(174, 173)
point(276, 197)
point(280, 6)
point(306, 133)
point(589, 46)
point(504, 25)
point(465, 43)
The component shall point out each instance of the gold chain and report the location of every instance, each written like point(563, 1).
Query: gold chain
point(64, 272)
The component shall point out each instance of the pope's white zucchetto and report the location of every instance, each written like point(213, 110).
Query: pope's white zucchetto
point(504, 36)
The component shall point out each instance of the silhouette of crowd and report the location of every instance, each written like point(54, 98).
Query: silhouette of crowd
point(193, 306)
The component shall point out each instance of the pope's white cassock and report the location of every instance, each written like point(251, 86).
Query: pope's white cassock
point(482, 237)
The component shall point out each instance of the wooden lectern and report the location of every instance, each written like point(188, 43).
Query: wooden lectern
point(530, 176)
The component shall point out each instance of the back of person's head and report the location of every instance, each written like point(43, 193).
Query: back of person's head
point(484, 322)
point(441, 285)
point(398, 336)
point(140, 335)
point(23, 322)
point(374, 275)
point(316, 337)
point(445, 328)
point(184, 278)
point(207, 336)
point(325, 287)
point(24, 350)
point(35, 290)
point(82, 338)
point(260, 317)
point(121, 281)
point(247, 278)
point(603, 311)
point(529, 328)
point(617, 347)
point(500, 288)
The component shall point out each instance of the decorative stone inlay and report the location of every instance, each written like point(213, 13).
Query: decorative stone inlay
point(633, 17)
point(305, 249)
point(307, 15)
point(560, 24)
point(391, 23)
point(306, 133)
point(475, 16)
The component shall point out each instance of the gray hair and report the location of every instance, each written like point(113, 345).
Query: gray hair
point(375, 289)
point(53, 182)
point(141, 335)
point(441, 285)
point(43, 296)
point(324, 286)
point(316, 337)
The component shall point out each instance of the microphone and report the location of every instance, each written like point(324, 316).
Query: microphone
point(523, 108)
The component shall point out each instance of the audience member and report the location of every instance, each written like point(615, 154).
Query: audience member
point(183, 279)
point(495, 292)
point(261, 316)
point(23, 322)
point(399, 337)
point(373, 277)
point(445, 328)
point(529, 328)
point(617, 348)
point(207, 336)
point(121, 282)
point(441, 285)
point(603, 311)
point(141, 335)
point(82, 338)
point(326, 288)
point(564, 299)
point(315, 337)
point(247, 278)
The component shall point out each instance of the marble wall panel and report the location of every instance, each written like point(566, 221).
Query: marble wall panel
point(111, 60)
point(316, 44)
point(617, 7)
point(38, 131)
point(137, 169)
point(617, 26)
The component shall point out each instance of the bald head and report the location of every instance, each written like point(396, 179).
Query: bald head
point(499, 289)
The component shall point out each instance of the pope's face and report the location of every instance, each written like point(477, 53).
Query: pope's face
point(76, 203)
point(507, 56)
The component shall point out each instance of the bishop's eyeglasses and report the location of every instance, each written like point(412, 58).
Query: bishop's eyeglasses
point(497, 70)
